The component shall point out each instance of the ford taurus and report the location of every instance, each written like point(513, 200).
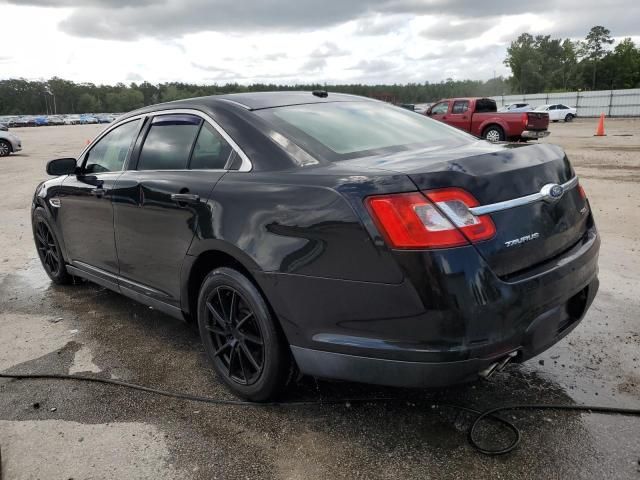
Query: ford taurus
point(328, 234)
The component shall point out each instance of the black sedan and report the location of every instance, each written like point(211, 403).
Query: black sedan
point(328, 234)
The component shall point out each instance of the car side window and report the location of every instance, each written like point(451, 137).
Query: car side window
point(440, 108)
point(563, 107)
point(460, 106)
point(110, 152)
point(168, 143)
point(211, 150)
point(553, 107)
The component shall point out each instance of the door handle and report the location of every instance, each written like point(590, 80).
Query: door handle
point(185, 197)
point(97, 192)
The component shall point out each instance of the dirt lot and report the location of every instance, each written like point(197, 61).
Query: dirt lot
point(84, 431)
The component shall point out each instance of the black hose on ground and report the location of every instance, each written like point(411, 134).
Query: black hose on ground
point(480, 415)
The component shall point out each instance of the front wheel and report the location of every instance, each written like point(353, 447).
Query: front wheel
point(494, 134)
point(568, 118)
point(49, 249)
point(240, 336)
point(5, 148)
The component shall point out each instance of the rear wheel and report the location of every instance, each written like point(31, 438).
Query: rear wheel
point(49, 250)
point(569, 117)
point(240, 336)
point(494, 133)
point(5, 148)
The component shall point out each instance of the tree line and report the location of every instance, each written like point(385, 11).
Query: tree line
point(541, 64)
point(538, 64)
point(20, 96)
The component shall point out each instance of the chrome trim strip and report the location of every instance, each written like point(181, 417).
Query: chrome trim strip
point(518, 202)
point(246, 164)
point(54, 202)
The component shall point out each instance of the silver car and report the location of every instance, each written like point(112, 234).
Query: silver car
point(516, 107)
point(9, 143)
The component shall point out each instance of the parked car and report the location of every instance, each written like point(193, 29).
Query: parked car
point(86, 119)
point(422, 108)
point(393, 249)
point(558, 112)
point(516, 107)
point(22, 122)
point(105, 118)
point(9, 143)
point(4, 127)
point(55, 120)
point(479, 116)
point(72, 120)
point(40, 121)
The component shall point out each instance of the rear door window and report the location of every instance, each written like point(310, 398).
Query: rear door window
point(169, 142)
point(211, 150)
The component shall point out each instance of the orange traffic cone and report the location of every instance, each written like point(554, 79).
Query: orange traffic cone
point(600, 129)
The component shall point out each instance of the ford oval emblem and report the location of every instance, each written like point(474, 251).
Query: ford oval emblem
point(552, 192)
point(556, 191)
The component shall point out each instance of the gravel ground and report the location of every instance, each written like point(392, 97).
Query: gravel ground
point(60, 430)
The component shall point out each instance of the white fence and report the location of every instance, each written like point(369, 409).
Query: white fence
point(613, 103)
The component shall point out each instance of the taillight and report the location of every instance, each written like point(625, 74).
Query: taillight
point(525, 120)
point(437, 219)
point(582, 193)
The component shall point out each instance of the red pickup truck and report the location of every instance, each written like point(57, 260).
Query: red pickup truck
point(479, 117)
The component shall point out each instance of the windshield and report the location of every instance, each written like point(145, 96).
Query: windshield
point(341, 130)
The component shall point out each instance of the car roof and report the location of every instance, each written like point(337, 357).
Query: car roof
point(254, 100)
point(259, 100)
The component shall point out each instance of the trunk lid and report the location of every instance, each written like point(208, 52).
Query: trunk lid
point(526, 235)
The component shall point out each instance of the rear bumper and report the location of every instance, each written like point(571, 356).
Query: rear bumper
point(535, 133)
point(449, 319)
point(544, 331)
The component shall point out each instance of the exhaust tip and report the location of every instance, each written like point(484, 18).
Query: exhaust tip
point(497, 366)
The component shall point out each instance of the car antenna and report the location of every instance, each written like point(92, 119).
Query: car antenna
point(320, 93)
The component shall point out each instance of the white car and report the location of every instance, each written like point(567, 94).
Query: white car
point(9, 143)
point(516, 107)
point(421, 108)
point(72, 120)
point(558, 111)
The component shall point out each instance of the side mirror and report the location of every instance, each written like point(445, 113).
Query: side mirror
point(61, 166)
point(428, 112)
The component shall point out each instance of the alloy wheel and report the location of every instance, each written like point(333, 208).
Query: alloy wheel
point(4, 149)
point(493, 136)
point(236, 335)
point(47, 248)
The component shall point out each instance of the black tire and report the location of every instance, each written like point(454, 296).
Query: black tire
point(48, 249)
point(240, 336)
point(5, 148)
point(494, 133)
point(569, 117)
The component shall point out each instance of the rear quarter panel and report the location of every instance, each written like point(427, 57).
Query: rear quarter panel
point(312, 225)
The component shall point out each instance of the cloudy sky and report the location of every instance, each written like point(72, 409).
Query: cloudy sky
point(285, 41)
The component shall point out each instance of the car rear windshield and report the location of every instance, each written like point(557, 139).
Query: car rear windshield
point(342, 130)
